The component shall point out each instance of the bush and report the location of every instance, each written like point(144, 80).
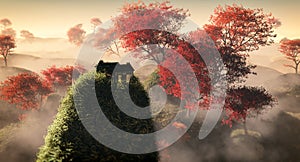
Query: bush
point(152, 80)
point(67, 138)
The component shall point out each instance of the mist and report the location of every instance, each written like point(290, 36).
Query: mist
point(28, 135)
point(273, 134)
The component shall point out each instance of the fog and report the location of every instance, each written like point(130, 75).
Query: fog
point(271, 132)
point(28, 135)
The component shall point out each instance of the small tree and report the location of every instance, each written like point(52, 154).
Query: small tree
point(6, 44)
point(6, 29)
point(95, 22)
point(26, 90)
point(5, 23)
point(291, 50)
point(242, 102)
point(26, 35)
point(76, 34)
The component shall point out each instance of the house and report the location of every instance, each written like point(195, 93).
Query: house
point(120, 73)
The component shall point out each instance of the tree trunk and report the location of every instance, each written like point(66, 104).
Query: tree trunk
point(5, 61)
point(245, 128)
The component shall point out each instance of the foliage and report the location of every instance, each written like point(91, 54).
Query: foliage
point(27, 35)
point(5, 23)
point(152, 80)
point(235, 31)
point(68, 140)
point(6, 29)
point(243, 101)
point(6, 44)
point(95, 22)
point(138, 16)
point(76, 34)
point(61, 77)
point(291, 50)
point(26, 90)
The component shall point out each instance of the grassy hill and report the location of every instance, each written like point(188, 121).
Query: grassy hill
point(8, 71)
point(263, 74)
point(35, 63)
point(283, 83)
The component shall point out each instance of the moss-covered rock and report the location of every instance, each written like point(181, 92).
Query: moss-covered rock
point(68, 139)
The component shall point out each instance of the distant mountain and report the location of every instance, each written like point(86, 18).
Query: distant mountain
point(35, 63)
point(47, 47)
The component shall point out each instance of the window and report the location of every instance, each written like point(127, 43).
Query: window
point(120, 78)
point(128, 76)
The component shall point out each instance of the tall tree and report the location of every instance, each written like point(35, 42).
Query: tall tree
point(76, 34)
point(237, 31)
point(135, 16)
point(7, 43)
point(26, 90)
point(291, 50)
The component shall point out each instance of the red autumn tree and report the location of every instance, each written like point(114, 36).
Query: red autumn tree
point(6, 29)
point(26, 90)
point(5, 23)
point(235, 32)
point(242, 102)
point(76, 34)
point(26, 35)
point(95, 22)
point(106, 39)
point(60, 78)
point(7, 43)
point(136, 16)
point(9, 32)
point(291, 50)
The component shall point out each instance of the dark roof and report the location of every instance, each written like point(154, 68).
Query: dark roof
point(109, 67)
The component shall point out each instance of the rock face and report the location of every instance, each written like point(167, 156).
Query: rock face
point(68, 139)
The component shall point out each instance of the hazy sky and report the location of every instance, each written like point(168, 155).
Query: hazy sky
point(53, 18)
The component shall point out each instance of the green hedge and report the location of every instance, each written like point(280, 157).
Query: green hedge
point(68, 140)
